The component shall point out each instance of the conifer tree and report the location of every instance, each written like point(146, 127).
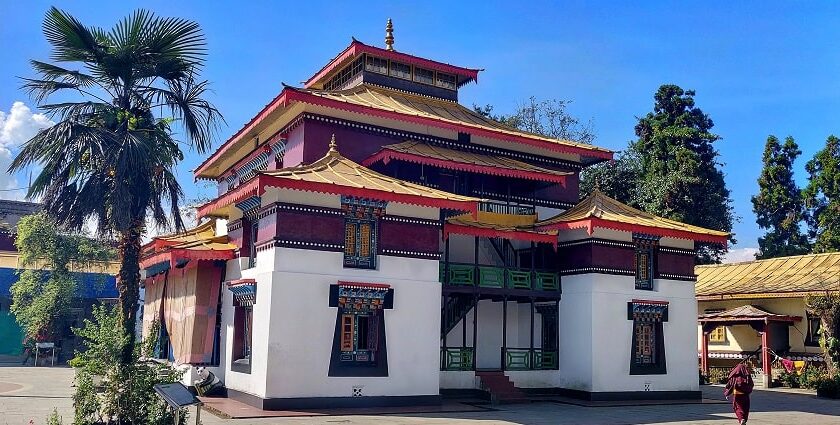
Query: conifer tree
point(680, 176)
point(822, 197)
point(779, 207)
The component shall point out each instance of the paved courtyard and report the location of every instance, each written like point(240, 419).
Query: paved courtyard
point(30, 394)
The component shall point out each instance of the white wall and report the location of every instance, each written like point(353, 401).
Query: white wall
point(595, 334)
point(294, 327)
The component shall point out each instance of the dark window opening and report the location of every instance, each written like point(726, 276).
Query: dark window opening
point(647, 353)
point(812, 338)
point(645, 260)
point(400, 70)
point(378, 65)
point(242, 339)
point(252, 242)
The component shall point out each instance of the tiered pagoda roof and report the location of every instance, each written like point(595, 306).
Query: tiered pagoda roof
point(335, 174)
point(794, 276)
point(199, 243)
point(599, 210)
point(426, 154)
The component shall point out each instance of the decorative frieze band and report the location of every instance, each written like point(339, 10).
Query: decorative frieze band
point(443, 142)
point(284, 243)
point(602, 270)
point(669, 276)
point(680, 251)
point(412, 254)
point(271, 209)
point(606, 242)
point(411, 220)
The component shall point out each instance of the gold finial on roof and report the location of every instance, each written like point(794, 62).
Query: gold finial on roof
point(333, 144)
point(389, 35)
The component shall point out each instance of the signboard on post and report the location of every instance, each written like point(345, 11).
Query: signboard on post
point(177, 396)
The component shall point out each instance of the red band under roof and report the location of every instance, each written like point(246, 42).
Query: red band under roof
point(489, 232)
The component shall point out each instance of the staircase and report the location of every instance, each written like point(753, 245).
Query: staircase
point(500, 388)
point(455, 310)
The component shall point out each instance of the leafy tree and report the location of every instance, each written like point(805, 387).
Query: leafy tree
point(779, 206)
point(544, 117)
point(110, 158)
point(827, 308)
point(680, 176)
point(822, 197)
point(46, 287)
point(110, 393)
point(618, 179)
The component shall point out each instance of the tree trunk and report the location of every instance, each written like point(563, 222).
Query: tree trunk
point(129, 287)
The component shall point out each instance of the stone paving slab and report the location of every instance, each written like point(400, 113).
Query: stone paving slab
point(42, 389)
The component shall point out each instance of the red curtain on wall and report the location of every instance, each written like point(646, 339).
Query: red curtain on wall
point(189, 308)
point(152, 302)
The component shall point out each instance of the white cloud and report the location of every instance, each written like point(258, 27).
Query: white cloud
point(740, 254)
point(16, 127)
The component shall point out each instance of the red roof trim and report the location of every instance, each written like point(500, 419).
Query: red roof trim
point(237, 282)
point(364, 285)
point(591, 223)
point(173, 256)
point(357, 48)
point(279, 100)
point(263, 181)
point(385, 155)
point(450, 228)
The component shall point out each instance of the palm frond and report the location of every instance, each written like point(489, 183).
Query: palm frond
point(71, 40)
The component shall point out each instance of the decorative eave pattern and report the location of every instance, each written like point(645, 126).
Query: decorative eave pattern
point(600, 211)
point(747, 313)
point(426, 154)
point(783, 277)
point(337, 175)
point(357, 48)
point(462, 225)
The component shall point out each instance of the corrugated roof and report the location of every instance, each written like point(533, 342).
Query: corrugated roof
point(424, 153)
point(793, 276)
point(599, 210)
point(198, 243)
point(746, 313)
point(336, 174)
point(411, 104)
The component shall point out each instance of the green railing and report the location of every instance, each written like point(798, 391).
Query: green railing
point(456, 358)
point(529, 359)
point(461, 274)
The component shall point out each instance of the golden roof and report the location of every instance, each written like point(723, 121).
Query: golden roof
point(599, 210)
point(338, 175)
point(424, 153)
point(785, 276)
point(746, 313)
point(411, 104)
point(199, 239)
point(508, 226)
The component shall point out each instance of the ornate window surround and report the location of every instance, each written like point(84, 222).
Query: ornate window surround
point(644, 259)
point(648, 317)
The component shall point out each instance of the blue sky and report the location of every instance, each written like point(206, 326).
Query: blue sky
point(758, 67)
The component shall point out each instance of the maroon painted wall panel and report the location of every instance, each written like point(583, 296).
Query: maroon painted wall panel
point(575, 256)
point(236, 234)
point(297, 226)
point(354, 144)
point(268, 227)
point(408, 237)
point(612, 257)
point(678, 264)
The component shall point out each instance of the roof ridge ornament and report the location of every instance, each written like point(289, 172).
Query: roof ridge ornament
point(389, 36)
point(333, 145)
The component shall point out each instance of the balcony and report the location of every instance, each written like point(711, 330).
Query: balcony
point(503, 208)
point(470, 275)
point(457, 358)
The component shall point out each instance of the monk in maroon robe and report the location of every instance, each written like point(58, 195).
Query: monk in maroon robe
point(739, 386)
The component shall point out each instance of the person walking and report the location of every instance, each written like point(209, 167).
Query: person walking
point(739, 386)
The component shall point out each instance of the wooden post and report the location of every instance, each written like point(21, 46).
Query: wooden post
point(446, 263)
point(531, 352)
point(704, 360)
point(765, 354)
point(475, 331)
point(476, 274)
point(504, 331)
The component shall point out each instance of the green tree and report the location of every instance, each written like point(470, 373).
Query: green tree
point(548, 118)
point(779, 206)
point(110, 158)
point(822, 197)
point(47, 284)
point(618, 179)
point(680, 176)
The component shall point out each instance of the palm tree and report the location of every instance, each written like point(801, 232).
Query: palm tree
point(110, 159)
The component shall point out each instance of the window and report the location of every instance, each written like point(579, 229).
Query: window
point(400, 70)
point(718, 335)
point(378, 65)
point(645, 260)
point(361, 225)
point(253, 228)
point(812, 338)
point(647, 354)
point(359, 344)
point(345, 75)
point(244, 297)
point(424, 76)
point(446, 81)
